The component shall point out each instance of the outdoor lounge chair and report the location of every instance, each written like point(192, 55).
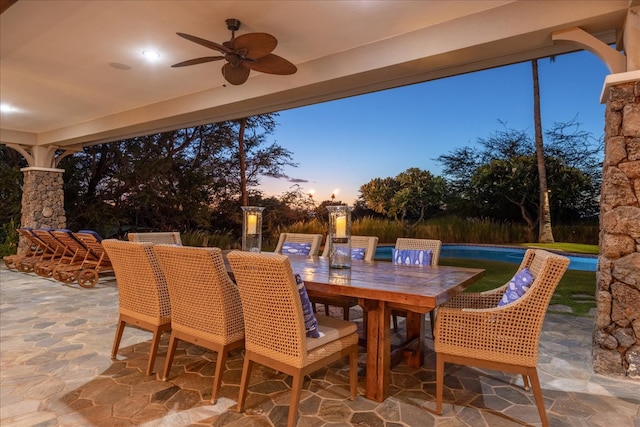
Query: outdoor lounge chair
point(34, 248)
point(51, 252)
point(298, 244)
point(88, 273)
point(417, 245)
point(142, 292)
point(205, 304)
point(275, 334)
point(487, 331)
point(369, 244)
point(84, 257)
point(72, 252)
point(169, 237)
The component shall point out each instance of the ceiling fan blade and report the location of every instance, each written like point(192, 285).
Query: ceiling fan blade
point(206, 43)
point(235, 75)
point(198, 61)
point(256, 44)
point(271, 64)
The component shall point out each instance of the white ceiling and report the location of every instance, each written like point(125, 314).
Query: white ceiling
point(55, 56)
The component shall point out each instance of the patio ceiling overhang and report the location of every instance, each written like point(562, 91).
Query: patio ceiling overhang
point(63, 63)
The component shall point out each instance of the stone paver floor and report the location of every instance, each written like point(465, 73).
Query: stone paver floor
point(55, 370)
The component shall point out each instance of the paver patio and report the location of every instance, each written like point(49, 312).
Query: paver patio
point(55, 370)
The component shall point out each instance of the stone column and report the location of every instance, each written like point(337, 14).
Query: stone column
point(42, 198)
point(616, 347)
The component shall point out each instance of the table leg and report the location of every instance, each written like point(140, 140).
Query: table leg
point(378, 350)
point(415, 330)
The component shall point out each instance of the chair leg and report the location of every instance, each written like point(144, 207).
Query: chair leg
point(118, 337)
point(439, 383)
point(537, 393)
point(394, 318)
point(345, 312)
point(525, 382)
point(217, 380)
point(244, 382)
point(157, 334)
point(296, 390)
point(326, 309)
point(173, 344)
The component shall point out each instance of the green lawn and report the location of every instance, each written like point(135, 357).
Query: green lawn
point(577, 248)
point(576, 289)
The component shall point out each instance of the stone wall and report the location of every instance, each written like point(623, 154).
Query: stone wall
point(616, 347)
point(42, 199)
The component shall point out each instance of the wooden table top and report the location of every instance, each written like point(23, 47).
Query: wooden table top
point(422, 287)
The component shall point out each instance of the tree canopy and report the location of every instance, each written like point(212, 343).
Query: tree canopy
point(499, 178)
point(410, 195)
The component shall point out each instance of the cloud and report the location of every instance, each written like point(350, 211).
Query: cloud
point(288, 178)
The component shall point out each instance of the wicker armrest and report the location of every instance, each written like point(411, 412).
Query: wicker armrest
point(476, 300)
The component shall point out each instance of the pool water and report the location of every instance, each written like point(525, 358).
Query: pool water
point(494, 253)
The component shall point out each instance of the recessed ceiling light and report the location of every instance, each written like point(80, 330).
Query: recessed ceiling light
point(151, 54)
point(6, 108)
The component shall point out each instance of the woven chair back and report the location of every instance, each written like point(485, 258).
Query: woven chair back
point(273, 320)
point(169, 237)
point(142, 288)
point(369, 243)
point(204, 300)
point(423, 245)
point(314, 239)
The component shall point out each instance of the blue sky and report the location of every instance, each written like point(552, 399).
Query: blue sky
point(344, 144)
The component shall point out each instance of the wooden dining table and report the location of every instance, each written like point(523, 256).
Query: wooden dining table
point(379, 288)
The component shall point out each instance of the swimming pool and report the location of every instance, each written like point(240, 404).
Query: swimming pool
point(495, 253)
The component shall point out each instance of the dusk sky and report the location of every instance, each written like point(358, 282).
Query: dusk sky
point(344, 144)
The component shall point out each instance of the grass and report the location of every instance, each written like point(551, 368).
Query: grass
point(578, 248)
point(576, 289)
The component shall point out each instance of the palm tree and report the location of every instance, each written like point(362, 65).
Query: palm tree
point(545, 233)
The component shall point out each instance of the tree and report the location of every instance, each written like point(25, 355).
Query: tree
point(248, 157)
point(169, 181)
point(499, 178)
point(11, 189)
point(411, 195)
point(545, 232)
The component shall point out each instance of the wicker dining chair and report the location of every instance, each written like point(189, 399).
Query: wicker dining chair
point(142, 292)
point(312, 241)
point(274, 322)
point(205, 304)
point(369, 244)
point(473, 329)
point(434, 246)
point(168, 237)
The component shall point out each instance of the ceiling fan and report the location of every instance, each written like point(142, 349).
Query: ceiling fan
point(243, 53)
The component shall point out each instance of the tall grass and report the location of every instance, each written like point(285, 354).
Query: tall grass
point(450, 230)
point(205, 239)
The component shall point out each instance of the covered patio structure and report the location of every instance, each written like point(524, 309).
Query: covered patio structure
point(72, 74)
